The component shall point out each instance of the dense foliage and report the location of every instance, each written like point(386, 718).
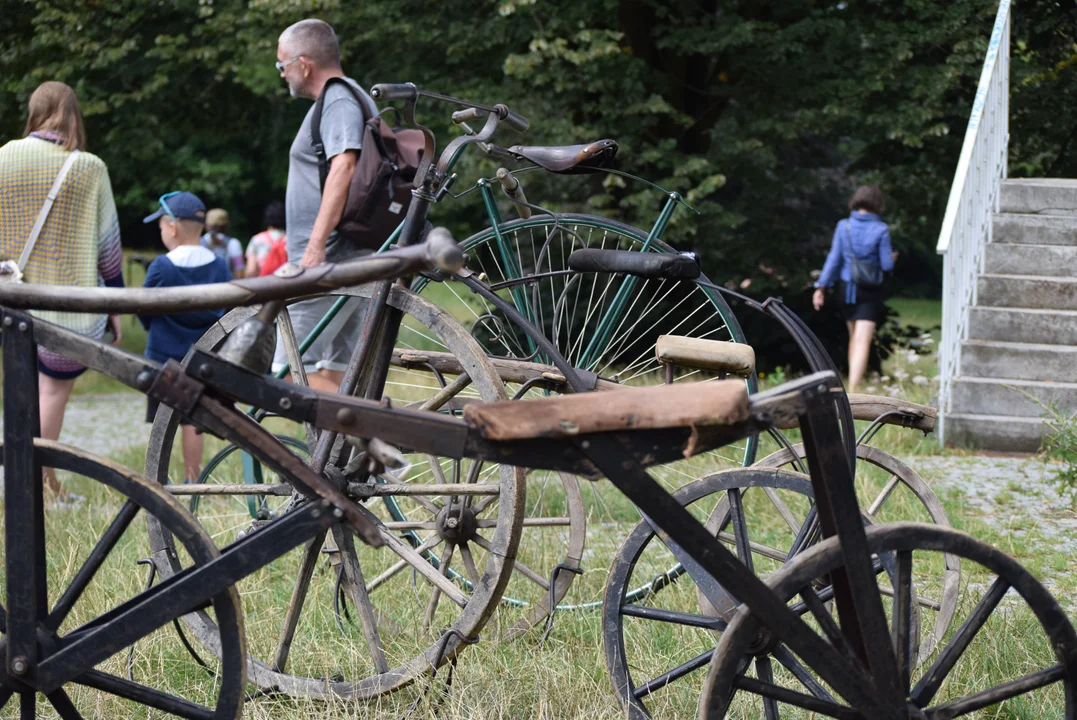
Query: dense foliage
point(764, 115)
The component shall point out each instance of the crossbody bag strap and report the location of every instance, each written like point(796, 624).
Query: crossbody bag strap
point(42, 216)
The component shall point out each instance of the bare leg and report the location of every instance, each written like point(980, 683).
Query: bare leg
point(860, 347)
point(52, 397)
point(326, 380)
point(193, 444)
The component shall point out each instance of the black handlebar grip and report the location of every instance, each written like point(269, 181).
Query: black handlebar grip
point(394, 91)
point(514, 120)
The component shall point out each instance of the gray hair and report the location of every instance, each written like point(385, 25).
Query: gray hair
point(315, 40)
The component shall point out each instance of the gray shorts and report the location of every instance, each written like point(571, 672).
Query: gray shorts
point(333, 348)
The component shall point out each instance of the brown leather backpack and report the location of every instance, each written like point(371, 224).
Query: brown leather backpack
point(380, 191)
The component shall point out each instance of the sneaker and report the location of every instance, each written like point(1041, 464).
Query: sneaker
point(68, 501)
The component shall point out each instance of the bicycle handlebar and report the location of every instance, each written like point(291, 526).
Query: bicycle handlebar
point(394, 91)
point(409, 91)
point(514, 120)
point(438, 251)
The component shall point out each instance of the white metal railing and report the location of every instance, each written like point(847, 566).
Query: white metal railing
point(974, 197)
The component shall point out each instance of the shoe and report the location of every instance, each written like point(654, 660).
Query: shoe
point(68, 501)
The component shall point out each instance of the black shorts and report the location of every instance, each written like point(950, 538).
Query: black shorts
point(151, 411)
point(870, 305)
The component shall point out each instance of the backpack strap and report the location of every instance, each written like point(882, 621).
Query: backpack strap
point(316, 123)
point(39, 224)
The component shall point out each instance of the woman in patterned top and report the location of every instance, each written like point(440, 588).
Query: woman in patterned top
point(79, 244)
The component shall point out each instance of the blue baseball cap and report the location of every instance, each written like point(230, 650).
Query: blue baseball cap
point(179, 205)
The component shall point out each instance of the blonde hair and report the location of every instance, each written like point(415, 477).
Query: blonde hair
point(53, 106)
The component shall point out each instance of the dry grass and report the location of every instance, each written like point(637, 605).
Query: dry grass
point(566, 677)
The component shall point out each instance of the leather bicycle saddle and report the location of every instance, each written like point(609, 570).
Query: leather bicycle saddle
point(568, 159)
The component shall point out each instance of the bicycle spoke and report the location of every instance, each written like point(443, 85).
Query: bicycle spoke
point(356, 588)
point(311, 552)
point(446, 393)
point(424, 568)
point(783, 509)
point(764, 550)
point(92, 564)
point(516, 565)
point(986, 698)
point(822, 616)
point(923, 602)
point(63, 705)
point(486, 502)
point(930, 683)
point(790, 662)
point(740, 527)
point(28, 706)
point(791, 697)
point(676, 673)
point(763, 672)
point(903, 619)
point(883, 495)
point(430, 543)
point(139, 693)
point(469, 564)
point(435, 593)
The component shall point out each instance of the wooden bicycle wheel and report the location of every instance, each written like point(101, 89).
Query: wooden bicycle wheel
point(891, 491)
point(87, 585)
point(658, 631)
point(605, 323)
point(452, 531)
point(975, 669)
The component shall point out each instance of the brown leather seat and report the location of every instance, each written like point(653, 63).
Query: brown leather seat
point(665, 406)
point(568, 159)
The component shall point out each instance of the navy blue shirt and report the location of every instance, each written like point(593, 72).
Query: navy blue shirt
point(870, 240)
point(171, 336)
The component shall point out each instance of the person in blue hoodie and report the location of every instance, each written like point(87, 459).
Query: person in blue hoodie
point(866, 236)
point(180, 219)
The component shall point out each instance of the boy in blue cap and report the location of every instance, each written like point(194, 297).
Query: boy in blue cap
point(180, 219)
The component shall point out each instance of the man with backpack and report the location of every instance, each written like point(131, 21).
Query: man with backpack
point(308, 59)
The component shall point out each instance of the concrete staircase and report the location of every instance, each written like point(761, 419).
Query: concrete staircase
point(1023, 329)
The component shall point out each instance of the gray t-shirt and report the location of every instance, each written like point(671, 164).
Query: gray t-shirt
point(342, 129)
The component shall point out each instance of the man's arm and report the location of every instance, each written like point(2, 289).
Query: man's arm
point(334, 197)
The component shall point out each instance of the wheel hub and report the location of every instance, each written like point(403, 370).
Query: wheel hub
point(457, 524)
point(764, 643)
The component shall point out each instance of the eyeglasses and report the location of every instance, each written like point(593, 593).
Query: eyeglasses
point(280, 65)
point(164, 204)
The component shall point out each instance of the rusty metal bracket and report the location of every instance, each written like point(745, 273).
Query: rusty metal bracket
point(443, 643)
point(560, 567)
point(174, 387)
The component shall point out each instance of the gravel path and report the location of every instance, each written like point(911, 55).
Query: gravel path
point(1003, 490)
point(105, 424)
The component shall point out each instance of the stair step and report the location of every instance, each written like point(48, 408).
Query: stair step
point(1035, 229)
point(1028, 259)
point(1023, 325)
point(994, 432)
point(1029, 361)
point(1056, 196)
point(1010, 397)
point(1027, 291)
